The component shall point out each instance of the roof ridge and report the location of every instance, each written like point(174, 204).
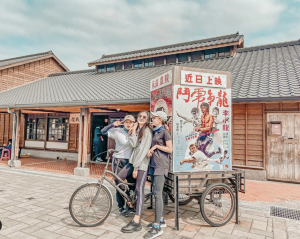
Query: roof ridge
point(272, 45)
point(36, 54)
point(71, 72)
point(168, 46)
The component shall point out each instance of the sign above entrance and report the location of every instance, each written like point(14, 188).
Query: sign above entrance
point(203, 79)
point(74, 118)
point(161, 81)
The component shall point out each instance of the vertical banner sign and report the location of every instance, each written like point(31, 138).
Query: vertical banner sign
point(161, 95)
point(202, 123)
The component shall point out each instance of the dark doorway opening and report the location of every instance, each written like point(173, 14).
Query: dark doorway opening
point(99, 141)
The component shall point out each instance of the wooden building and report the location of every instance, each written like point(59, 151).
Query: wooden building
point(265, 94)
point(19, 71)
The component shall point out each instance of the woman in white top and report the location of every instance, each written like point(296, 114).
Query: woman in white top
point(124, 148)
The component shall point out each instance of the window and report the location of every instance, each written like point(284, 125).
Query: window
point(128, 65)
point(35, 128)
point(109, 67)
point(148, 62)
point(118, 66)
point(183, 57)
point(224, 51)
point(138, 64)
point(171, 59)
point(100, 69)
point(208, 54)
point(58, 129)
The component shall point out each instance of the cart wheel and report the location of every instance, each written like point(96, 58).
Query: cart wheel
point(183, 199)
point(217, 204)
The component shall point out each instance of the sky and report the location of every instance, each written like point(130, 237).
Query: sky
point(81, 31)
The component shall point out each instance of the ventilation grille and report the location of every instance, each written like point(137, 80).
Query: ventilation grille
point(285, 212)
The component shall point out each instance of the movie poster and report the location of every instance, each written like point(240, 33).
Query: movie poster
point(202, 123)
point(161, 96)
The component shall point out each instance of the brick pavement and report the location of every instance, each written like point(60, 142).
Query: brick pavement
point(35, 205)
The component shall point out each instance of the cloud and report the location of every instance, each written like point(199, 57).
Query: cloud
point(81, 31)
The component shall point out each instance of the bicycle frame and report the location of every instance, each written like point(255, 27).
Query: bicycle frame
point(111, 182)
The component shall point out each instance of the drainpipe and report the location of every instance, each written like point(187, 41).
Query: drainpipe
point(13, 143)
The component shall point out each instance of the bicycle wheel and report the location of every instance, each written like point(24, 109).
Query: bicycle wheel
point(217, 204)
point(83, 211)
point(183, 199)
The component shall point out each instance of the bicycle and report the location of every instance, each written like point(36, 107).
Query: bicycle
point(91, 203)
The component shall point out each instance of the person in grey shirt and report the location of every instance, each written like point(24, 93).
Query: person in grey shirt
point(140, 139)
point(161, 148)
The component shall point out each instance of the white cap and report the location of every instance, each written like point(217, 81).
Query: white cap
point(161, 115)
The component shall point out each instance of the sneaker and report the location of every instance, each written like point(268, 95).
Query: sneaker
point(131, 227)
point(153, 233)
point(127, 211)
point(162, 224)
point(121, 209)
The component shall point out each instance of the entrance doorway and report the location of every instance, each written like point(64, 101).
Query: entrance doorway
point(100, 143)
point(283, 146)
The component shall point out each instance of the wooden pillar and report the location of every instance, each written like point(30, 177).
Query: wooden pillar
point(264, 136)
point(246, 136)
point(81, 121)
point(17, 137)
point(123, 65)
point(189, 57)
point(85, 137)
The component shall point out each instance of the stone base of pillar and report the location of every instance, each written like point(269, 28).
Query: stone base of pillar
point(17, 163)
point(81, 171)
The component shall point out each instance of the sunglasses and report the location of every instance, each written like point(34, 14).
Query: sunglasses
point(142, 117)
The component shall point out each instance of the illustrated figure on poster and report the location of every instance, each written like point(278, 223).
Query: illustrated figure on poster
point(207, 121)
point(217, 135)
point(195, 119)
point(203, 146)
point(222, 158)
point(198, 159)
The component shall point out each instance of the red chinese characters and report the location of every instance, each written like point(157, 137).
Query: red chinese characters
point(211, 97)
point(222, 100)
point(188, 78)
point(199, 93)
point(184, 91)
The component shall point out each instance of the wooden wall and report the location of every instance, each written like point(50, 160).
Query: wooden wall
point(73, 137)
point(5, 128)
point(249, 134)
point(26, 73)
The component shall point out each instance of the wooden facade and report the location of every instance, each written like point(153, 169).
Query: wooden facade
point(28, 72)
point(250, 132)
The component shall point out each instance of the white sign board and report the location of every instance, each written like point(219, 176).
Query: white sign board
point(203, 79)
point(201, 123)
point(161, 81)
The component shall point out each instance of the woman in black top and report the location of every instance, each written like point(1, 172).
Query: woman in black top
point(158, 168)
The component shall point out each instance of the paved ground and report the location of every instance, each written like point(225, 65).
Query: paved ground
point(57, 166)
point(34, 204)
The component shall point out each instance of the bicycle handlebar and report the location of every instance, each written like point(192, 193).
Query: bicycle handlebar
point(109, 151)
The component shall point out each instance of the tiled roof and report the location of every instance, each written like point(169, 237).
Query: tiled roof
point(11, 61)
point(171, 48)
point(258, 74)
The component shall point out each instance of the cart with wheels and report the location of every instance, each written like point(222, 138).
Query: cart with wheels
point(199, 108)
point(215, 191)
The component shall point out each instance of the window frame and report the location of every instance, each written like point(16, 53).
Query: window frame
point(63, 123)
point(148, 61)
point(109, 67)
point(101, 69)
point(137, 63)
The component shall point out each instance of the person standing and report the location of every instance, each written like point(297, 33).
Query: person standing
point(161, 148)
point(124, 151)
point(140, 139)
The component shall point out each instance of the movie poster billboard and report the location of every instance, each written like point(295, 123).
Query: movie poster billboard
point(161, 96)
point(201, 123)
